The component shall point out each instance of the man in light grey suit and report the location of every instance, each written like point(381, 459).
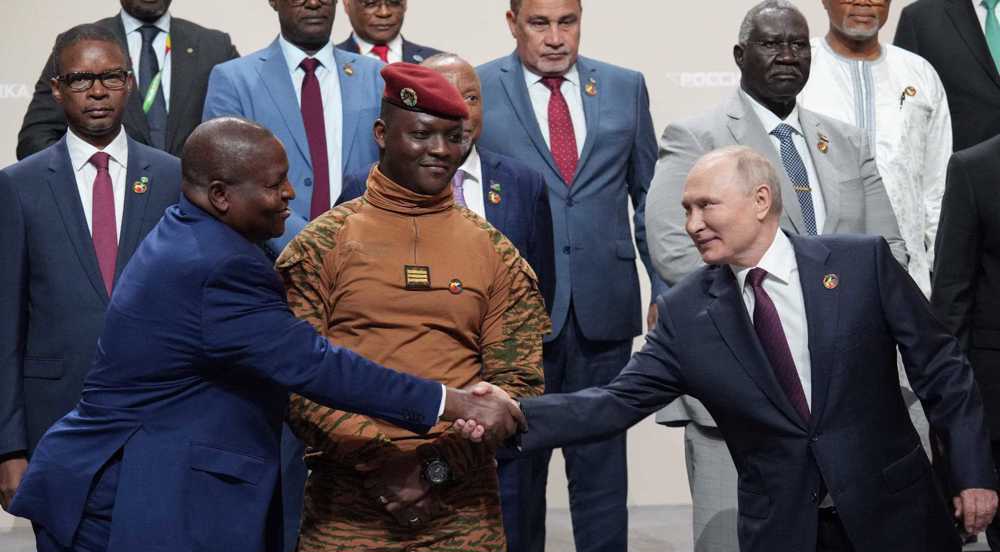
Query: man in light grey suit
point(830, 185)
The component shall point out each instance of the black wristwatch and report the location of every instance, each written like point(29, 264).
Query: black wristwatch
point(436, 469)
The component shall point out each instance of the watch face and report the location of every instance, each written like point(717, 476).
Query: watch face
point(437, 472)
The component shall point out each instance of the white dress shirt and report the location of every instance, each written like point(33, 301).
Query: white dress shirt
point(571, 90)
point(134, 38)
point(472, 183)
point(785, 290)
point(80, 153)
point(911, 135)
point(333, 118)
point(770, 121)
point(981, 13)
point(395, 54)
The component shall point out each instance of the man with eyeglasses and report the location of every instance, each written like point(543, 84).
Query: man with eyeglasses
point(170, 59)
point(377, 25)
point(70, 218)
point(830, 185)
point(321, 102)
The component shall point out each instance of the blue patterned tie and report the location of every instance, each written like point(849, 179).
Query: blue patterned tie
point(797, 173)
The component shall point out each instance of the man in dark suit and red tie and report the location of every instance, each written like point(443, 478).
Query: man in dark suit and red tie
point(70, 218)
point(790, 342)
point(377, 26)
point(170, 59)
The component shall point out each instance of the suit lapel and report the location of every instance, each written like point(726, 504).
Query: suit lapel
point(350, 94)
point(183, 51)
point(412, 53)
point(966, 22)
point(591, 110)
point(494, 174)
point(273, 71)
point(822, 311)
point(729, 314)
point(62, 184)
point(746, 129)
point(135, 205)
point(826, 171)
point(512, 78)
point(134, 120)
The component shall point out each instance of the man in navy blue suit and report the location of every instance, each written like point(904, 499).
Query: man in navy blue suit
point(320, 102)
point(790, 342)
point(175, 442)
point(71, 216)
point(377, 26)
point(585, 126)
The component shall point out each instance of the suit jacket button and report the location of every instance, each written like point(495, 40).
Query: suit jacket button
point(308, 183)
point(814, 497)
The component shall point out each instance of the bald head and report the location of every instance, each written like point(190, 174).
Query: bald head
point(462, 75)
point(237, 171)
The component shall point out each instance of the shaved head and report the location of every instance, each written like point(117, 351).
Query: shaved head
point(237, 171)
point(462, 75)
point(222, 149)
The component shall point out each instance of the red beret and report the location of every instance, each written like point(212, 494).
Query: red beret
point(417, 88)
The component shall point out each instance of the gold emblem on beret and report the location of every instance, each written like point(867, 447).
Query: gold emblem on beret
point(409, 97)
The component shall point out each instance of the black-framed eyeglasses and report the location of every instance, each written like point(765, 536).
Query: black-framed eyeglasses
point(371, 5)
point(115, 79)
point(300, 3)
point(797, 47)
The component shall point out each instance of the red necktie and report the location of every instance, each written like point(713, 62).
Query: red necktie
point(772, 338)
point(312, 118)
point(562, 139)
point(104, 231)
point(382, 51)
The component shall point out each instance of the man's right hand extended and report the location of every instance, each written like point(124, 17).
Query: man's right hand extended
point(11, 472)
point(494, 415)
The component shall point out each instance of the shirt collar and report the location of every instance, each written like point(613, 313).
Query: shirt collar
point(132, 24)
point(778, 261)
point(769, 119)
point(395, 45)
point(294, 55)
point(472, 167)
point(572, 76)
point(81, 151)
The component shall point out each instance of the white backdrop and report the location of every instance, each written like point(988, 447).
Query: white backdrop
point(684, 48)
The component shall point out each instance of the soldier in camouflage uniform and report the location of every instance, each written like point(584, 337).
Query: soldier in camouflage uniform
point(407, 278)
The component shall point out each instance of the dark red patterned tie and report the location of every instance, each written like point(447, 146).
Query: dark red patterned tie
point(382, 51)
point(772, 337)
point(312, 118)
point(562, 139)
point(104, 231)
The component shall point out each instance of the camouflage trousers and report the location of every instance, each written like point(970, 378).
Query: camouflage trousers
point(339, 517)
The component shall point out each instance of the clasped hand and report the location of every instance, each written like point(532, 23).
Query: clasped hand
point(484, 413)
point(396, 483)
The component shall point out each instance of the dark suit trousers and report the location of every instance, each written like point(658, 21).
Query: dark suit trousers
point(293, 486)
point(830, 533)
point(993, 531)
point(597, 472)
point(95, 526)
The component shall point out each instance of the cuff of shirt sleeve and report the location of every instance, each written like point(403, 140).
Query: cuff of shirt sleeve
point(444, 397)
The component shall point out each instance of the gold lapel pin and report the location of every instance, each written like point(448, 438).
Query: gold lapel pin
point(494, 197)
point(190, 50)
point(824, 144)
point(910, 91)
point(349, 70)
point(140, 186)
point(591, 87)
point(831, 281)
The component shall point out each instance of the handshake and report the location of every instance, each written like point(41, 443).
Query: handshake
point(483, 412)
